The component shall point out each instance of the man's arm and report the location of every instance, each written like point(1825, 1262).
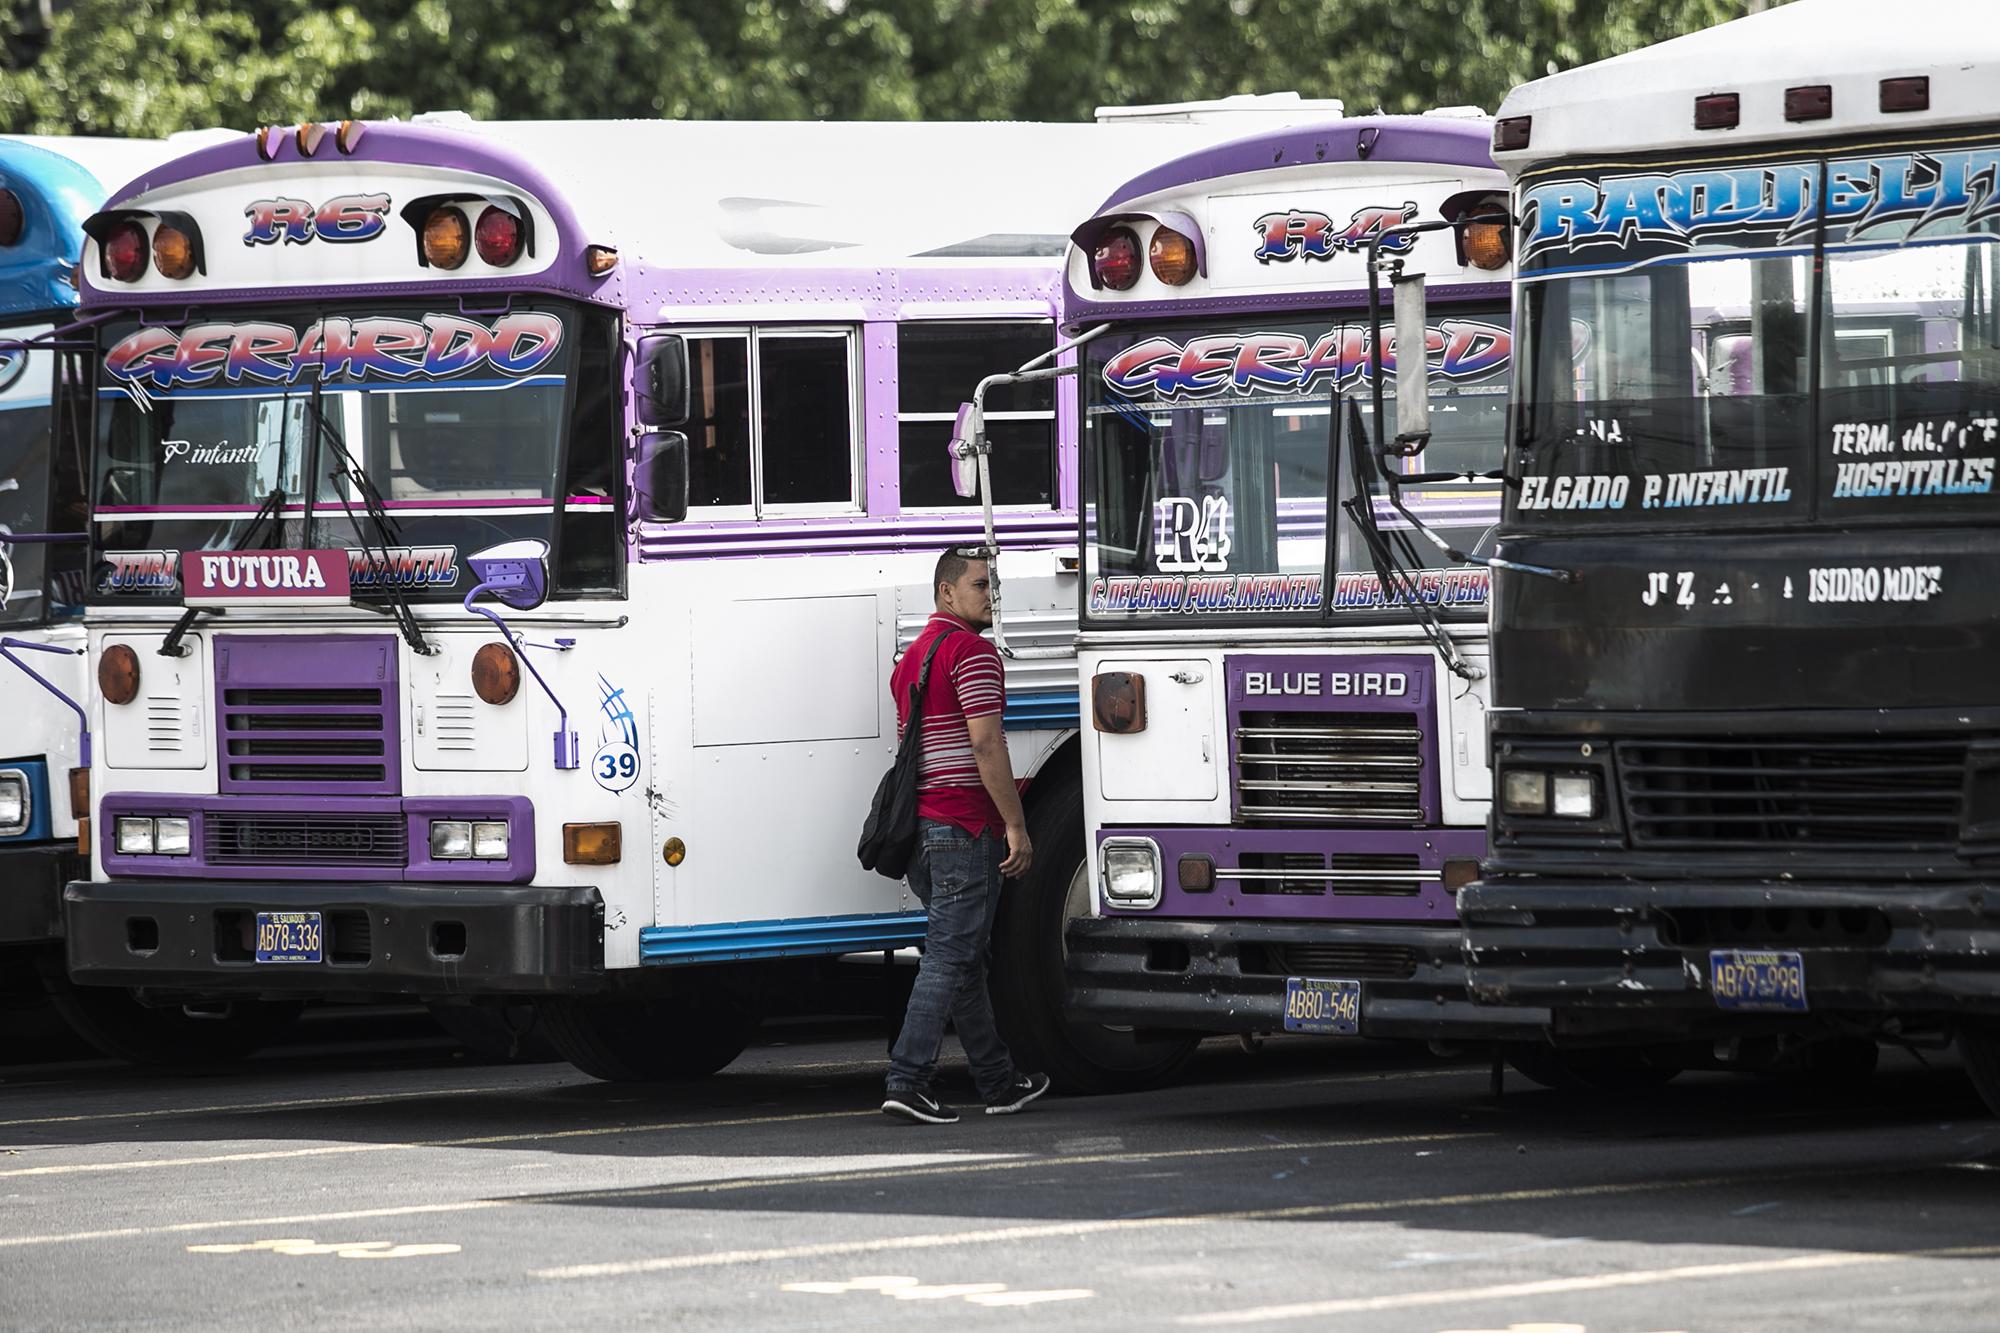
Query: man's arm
point(996, 773)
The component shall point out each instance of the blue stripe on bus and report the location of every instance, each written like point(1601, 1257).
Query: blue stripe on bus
point(800, 937)
point(1041, 710)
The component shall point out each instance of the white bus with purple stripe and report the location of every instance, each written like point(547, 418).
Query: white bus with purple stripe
point(501, 535)
point(1282, 636)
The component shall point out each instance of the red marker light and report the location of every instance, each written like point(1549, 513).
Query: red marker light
point(1116, 259)
point(122, 256)
point(497, 237)
point(12, 219)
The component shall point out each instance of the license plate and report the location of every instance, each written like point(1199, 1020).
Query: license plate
point(1758, 981)
point(288, 937)
point(1329, 1007)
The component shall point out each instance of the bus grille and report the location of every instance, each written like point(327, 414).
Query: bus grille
point(284, 838)
point(1357, 767)
point(1860, 793)
point(1366, 874)
point(1343, 962)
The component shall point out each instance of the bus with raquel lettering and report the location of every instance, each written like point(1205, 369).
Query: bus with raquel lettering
point(500, 536)
point(1745, 726)
point(1281, 643)
point(48, 187)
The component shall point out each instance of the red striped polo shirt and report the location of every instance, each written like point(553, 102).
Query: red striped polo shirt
point(965, 682)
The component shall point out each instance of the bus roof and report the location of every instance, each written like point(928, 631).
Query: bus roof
point(783, 194)
point(1644, 101)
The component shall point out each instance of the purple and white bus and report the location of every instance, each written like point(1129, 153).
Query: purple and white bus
point(1282, 616)
point(501, 534)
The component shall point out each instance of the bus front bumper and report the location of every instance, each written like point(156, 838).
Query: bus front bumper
point(376, 939)
point(1622, 954)
point(1230, 976)
point(31, 887)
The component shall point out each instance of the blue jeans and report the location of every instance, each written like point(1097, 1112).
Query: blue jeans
point(957, 876)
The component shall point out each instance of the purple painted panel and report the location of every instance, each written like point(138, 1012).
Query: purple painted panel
point(318, 838)
point(1343, 683)
point(308, 715)
point(1228, 847)
point(848, 535)
point(517, 811)
point(1079, 309)
point(881, 446)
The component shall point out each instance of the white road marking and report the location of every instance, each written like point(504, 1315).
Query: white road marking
point(993, 1294)
point(246, 1108)
point(300, 1246)
point(1798, 1263)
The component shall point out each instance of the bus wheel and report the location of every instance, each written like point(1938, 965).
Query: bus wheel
point(1027, 972)
point(1981, 1048)
point(1607, 1073)
point(116, 1023)
point(497, 1032)
point(647, 1040)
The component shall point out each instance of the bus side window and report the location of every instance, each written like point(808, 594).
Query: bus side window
point(937, 366)
point(591, 545)
point(805, 401)
point(718, 428)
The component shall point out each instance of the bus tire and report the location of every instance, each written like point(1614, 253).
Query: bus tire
point(647, 1039)
point(1027, 973)
point(1605, 1073)
point(511, 1031)
point(115, 1022)
point(1979, 1044)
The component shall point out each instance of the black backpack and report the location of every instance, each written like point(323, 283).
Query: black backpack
point(889, 834)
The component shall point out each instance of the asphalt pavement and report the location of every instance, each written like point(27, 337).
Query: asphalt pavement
point(1307, 1184)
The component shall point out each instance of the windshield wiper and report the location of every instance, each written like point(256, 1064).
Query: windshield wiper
point(273, 505)
point(1392, 573)
point(386, 532)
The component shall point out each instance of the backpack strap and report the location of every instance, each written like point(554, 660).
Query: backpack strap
point(924, 680)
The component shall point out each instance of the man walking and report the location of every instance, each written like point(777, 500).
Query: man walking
point(970, 833)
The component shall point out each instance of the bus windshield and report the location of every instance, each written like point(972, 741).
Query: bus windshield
point(1207, 452)
point(456, 420)
point(38, 487)
point(1851, 372)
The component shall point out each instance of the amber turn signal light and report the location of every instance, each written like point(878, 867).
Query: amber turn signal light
point(447, 238)
point(592, 844)
point(1118, 702)
point(1171, 257)
point(83, 836)
point(496, 674)
point(673, 851)
point(79, 793)
point(118, 674)
point(1459, 871)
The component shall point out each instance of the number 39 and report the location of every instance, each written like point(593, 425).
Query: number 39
point(613, 766)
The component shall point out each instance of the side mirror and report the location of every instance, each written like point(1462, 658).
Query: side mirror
point(6, 577)
point(661, 476)
point(663, 380)
point(1413, 369)
point(516, 573)
point(964, 462)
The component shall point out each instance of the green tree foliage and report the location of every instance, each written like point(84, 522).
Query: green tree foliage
point(150, 67)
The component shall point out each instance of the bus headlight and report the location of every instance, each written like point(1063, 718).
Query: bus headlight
point(451, 840)
point(170, 836)
point(1573, 796)
point(135, 836)
point(15, 810)
point(1131, 870)
point(1524, 791)
point(489, 841)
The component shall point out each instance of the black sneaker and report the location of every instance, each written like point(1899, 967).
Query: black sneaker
point(1025, 1088)
point(920, 1107)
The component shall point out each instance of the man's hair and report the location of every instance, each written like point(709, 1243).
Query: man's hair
point(951, 566)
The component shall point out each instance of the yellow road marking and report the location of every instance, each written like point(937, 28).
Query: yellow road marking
point(478, 1141)
point(1008, 1164)
point(241, 1108)
point(1799, 1263)
point(1302, 1212)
